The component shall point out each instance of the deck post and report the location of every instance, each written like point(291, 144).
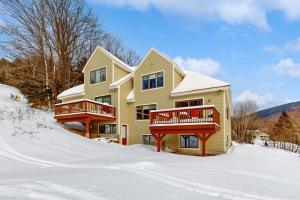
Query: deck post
point(87, 127)
point(204, 137)
point(158, 137)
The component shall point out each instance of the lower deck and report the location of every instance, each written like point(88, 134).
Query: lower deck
point(180, 130)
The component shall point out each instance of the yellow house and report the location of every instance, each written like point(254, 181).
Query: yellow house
point(156, 102)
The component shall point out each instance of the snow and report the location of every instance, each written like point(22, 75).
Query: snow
point(129, 68)
point(130, 97)
point(121, 80)
point(194, 81)
point(77, 90)
point(41, 160)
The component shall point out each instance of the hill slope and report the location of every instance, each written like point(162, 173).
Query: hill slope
point(278, 109)
point(41, 160)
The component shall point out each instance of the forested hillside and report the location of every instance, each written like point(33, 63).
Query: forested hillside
point(46, 43)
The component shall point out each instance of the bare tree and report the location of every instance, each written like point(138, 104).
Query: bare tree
point(115, 46)
point(244, 121)
point(61, 35)
point(61, 32)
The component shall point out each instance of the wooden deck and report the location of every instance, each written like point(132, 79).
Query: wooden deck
point(202, 121)
point(85, 111)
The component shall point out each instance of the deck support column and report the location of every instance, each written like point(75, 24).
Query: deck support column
point(204, 137)
point(159, 137)
point(87, 127)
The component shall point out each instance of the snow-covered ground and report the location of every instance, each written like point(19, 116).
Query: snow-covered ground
point(41, 160)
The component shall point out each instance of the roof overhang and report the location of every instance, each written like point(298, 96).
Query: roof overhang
point(200, 91)
point(70, 96)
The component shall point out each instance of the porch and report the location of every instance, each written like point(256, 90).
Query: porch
point(202, 121)
point(84, 111)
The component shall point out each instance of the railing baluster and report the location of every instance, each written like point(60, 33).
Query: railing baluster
point(185, 115)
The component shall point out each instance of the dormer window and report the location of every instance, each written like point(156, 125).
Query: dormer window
point(155, 80)
point(98, 75)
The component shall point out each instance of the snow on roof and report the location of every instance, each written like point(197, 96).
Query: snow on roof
point(130, 97)
point(121, 80)
point(194, 81)
point(77, 90)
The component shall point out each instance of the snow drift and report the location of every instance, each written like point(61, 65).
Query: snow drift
point(41, 160)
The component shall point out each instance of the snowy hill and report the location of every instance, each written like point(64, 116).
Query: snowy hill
point(41, 160)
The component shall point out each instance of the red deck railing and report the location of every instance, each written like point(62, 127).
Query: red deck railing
point(197, 114)
point(84, 106)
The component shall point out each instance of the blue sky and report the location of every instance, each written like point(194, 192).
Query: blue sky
point(259, 56)
point(252, 44)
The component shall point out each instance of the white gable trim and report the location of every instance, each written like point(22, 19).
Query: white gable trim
point(164, 57)
point(120, 63)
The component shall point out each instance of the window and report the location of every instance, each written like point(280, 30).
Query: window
point(189, 103)
point(148, 139)
point(143, 112)
point(104, 99)
point(151, 81)
point(189, 141)
point(107, 129)
point(98, 75)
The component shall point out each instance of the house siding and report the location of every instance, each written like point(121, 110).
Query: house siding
point(119, 72)
point(126, 111)
point(215, 144)
point(159, 96)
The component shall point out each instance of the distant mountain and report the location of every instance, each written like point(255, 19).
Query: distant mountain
point(270, 112)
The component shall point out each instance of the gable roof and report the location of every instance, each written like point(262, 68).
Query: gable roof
point(122, 64)
point(72, 92)
point(176, 66)
point(196, 82)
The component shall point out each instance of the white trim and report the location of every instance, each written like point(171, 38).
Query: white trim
point(109, 94)
point(164, 57)
point(119, 116)
point(83, 113)
point(83, 70)
point(182, 148)
point(183, 108)
point(125, 78)
point(155, 72)
point(186, 124)
point(104, 66)
point(146, 104)
point(212, 89)
point(123, 65)
point(109, 123)
point(79, 100)
point(179, 100)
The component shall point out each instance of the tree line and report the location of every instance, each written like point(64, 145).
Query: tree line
point(283, 130)
point(46, 44)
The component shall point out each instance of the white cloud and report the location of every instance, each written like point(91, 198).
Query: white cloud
point(260, 100)
point(287, 67)
point(291, 46)
point(231, 11)
point(273, 49)
point(205, 66)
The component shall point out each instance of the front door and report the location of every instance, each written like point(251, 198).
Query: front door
point(124, 134)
